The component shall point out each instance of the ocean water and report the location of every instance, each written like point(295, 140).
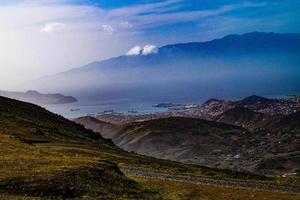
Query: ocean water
point(93, 108)
point(129, 106)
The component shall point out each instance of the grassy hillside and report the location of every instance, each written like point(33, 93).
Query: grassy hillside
point(26, 170)
point(185, 191)
point(46, 156)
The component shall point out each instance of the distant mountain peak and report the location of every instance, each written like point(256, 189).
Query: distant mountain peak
point(199, 63)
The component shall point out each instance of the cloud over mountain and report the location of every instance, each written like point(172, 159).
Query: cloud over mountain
point(149, 49)
point(146, 50)
point(234, 65)
point(53, 27)
point(135, 51)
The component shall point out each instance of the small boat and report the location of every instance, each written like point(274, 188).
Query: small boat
point(108, 111)
point(166, 105)
point(74, 109)
point(176, 108)
point(133, 111)
point(189, 106)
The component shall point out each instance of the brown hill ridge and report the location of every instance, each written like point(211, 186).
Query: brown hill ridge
point(239, 139)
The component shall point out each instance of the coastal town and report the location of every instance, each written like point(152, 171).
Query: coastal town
point(210, 109)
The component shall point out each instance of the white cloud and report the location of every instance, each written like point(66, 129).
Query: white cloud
point(137, 10)
point(126, 24)
point(108, 29)
point(146, 50)
point(134, 51)
point(154, 15)
point(149, 49)
point(53, 27)
point(76, 39)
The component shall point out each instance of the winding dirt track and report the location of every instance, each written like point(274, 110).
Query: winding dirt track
point(235, 184)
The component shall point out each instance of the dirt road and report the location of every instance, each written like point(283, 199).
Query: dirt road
point(241, 184)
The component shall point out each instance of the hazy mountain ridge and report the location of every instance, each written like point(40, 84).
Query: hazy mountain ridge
point(238, 45)
point(229, 63)
point(257, 42)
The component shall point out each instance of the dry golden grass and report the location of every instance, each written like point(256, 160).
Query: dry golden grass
point(33, 172)
point(185, 191)
point(22, 160)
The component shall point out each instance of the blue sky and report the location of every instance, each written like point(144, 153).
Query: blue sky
point(179, 17)
point(50, 36)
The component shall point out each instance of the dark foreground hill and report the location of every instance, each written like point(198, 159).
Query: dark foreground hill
point(34, 124)
point(44, 156)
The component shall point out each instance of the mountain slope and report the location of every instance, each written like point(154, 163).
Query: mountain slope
point(239, 64)
point(216, 144)
point(40, 125)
